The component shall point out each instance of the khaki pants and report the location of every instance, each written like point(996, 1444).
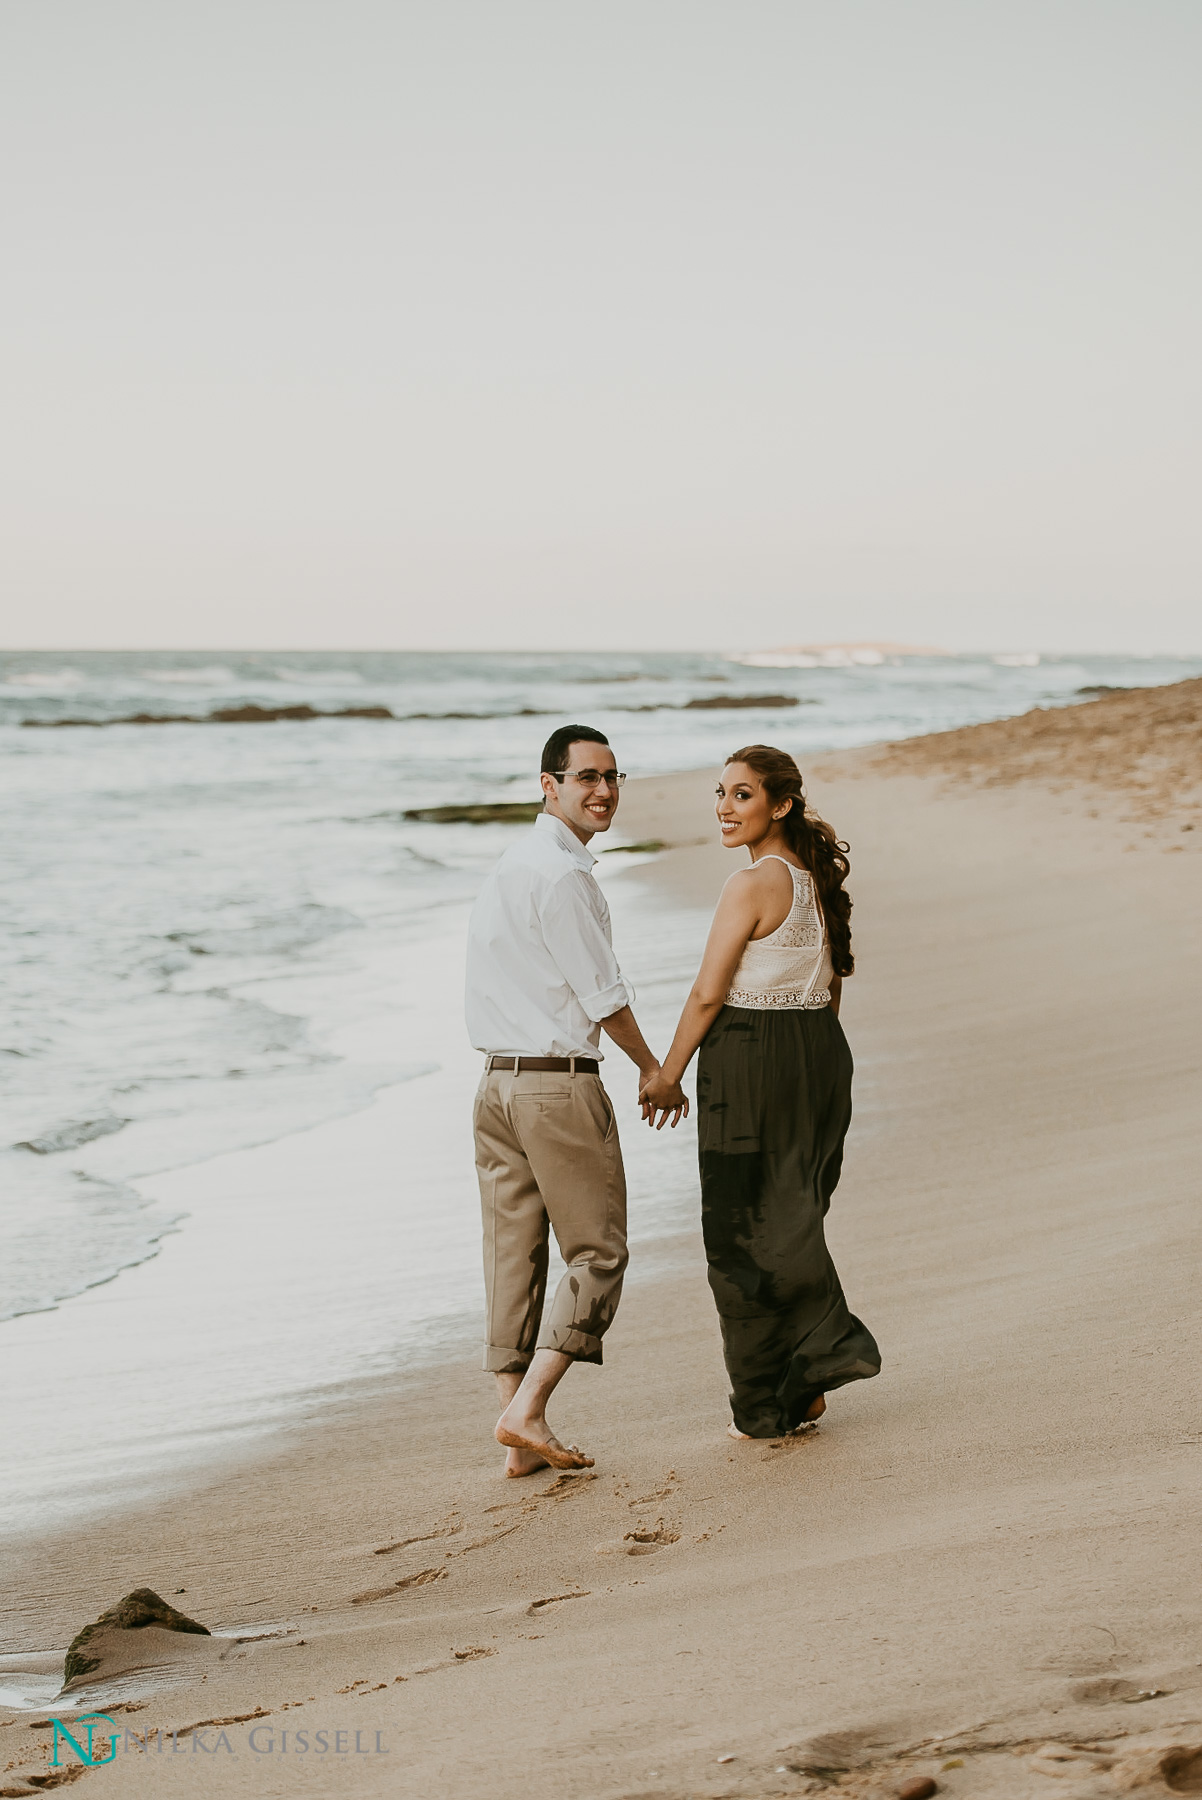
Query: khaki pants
point(547, 1155)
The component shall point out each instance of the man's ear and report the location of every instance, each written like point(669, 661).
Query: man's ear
point(548, 784)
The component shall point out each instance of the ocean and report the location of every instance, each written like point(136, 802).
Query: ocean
point(226, 944)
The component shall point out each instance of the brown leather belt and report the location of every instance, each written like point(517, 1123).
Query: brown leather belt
point(545, 1065)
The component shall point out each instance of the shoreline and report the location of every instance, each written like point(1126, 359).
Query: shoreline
point(997, 1522)
point(261, 1273)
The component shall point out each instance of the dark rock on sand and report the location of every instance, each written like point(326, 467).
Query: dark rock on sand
point(920, 1788)
point(500, 812)
point(103, 1648)
point(1181, 1769)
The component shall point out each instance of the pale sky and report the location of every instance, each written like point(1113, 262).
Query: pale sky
point(478, 323)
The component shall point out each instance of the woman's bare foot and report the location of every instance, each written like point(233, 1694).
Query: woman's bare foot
point(816, 1409)
point(523, 1462)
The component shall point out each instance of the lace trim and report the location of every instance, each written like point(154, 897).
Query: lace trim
point(805, 935)
point(801, 928)
point(779, 999)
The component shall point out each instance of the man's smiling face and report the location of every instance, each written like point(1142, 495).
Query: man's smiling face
point(585, 806)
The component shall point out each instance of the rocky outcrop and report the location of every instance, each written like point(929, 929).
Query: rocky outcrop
point(103, 1647)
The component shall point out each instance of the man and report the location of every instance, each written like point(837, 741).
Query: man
point(542, 984)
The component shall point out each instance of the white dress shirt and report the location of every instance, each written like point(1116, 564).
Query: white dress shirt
point(541, 972)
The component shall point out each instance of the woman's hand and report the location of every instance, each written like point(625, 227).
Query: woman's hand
point(658, 1094)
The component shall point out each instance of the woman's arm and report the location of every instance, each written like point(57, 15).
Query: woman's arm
point(836, 991)
point(738, 915)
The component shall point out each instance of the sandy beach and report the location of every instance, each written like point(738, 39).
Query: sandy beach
point(981, 1568)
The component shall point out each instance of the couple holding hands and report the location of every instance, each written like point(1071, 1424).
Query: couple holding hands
point(773, 1098)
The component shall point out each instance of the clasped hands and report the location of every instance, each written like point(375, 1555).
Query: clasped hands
point(659, 1095)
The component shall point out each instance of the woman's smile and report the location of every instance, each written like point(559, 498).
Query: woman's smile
point(745, 811)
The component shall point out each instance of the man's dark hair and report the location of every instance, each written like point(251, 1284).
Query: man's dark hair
point(558, 745)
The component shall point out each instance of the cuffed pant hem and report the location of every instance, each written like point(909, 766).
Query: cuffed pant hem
point(505, 1362)
point(580, 1345)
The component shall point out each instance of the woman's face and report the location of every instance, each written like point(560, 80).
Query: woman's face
point(745, 813)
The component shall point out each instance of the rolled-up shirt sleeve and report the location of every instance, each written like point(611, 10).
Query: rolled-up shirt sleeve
point(575, 935)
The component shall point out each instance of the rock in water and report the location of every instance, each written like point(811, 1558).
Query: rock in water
point(478, 812)
point(138, 1610)
point(725, 702)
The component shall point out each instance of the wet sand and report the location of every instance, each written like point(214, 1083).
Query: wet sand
point(994, 1544)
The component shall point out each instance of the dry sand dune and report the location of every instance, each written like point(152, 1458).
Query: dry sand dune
point(982, 1568)
point(1142, 743)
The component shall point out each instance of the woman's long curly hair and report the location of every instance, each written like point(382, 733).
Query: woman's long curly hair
point(813, 842)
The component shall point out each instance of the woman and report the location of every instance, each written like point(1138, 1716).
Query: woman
point(773, 1099)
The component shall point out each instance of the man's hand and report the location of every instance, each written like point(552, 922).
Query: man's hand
point(659, 1095)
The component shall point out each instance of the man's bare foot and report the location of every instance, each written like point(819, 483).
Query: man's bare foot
point(517, 1462)
point(560, 1456)
point(520, 1431)
point(523, 1427)
point(732, 1430)
point(523, 1462)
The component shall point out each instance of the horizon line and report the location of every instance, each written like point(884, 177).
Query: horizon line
point(883, 647)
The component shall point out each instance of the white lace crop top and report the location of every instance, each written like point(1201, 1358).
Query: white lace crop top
point(790, 968)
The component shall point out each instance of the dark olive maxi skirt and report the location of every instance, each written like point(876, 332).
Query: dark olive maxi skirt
point(773, 1107)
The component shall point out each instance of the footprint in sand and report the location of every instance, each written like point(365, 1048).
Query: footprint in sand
point(562, 1488)
point(563, 1485)
point(804, 1434)
point(421, 1579)
point(499, 1532)
point(1108, 1689)
point(449, 1528)
point(537, 1607)
point(664, 1492)
point(645, 1541)
point(1066, 1759)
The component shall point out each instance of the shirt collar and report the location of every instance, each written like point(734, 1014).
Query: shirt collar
point(567, 837)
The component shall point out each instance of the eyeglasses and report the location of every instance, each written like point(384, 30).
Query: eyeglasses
point(591, 778)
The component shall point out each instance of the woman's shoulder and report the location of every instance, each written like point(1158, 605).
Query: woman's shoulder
point(761, 879)
point(773, 869)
